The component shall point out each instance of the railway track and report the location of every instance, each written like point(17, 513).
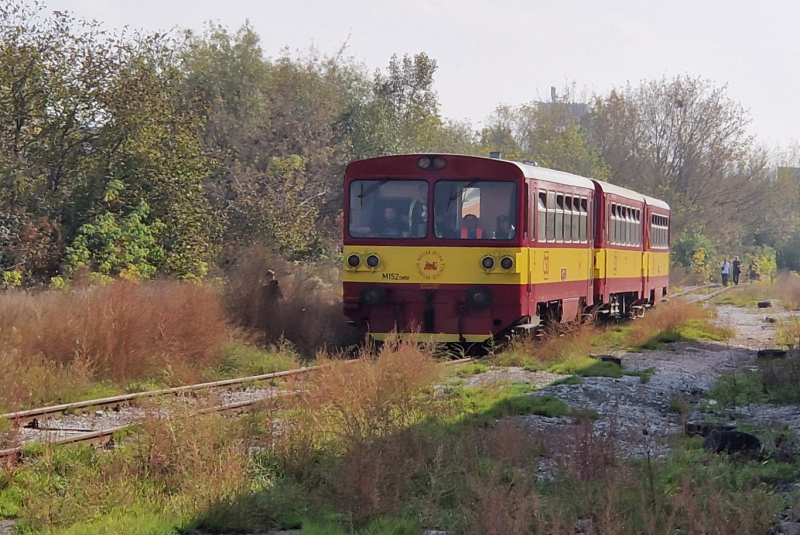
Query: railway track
point(42, 419)
point(702, 297)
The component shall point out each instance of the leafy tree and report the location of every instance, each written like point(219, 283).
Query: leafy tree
point(688, 244)
point(112, 245)
point(92, 125)
point(545, 133)
point(685, 141)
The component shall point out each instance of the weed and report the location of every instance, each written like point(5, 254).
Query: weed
point(571, 380)
point(679, 404)
point(472, 369)
point(309, 296)
point(644, 375)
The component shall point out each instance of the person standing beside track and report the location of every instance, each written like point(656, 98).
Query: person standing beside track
point(736, 270)
point(726, 271)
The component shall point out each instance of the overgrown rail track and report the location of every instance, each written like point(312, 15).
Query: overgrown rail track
point(43, 418)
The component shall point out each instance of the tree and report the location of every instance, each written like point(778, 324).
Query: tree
point(91, 127)
point(400, 113)
point(685, 141)
point(547, 133)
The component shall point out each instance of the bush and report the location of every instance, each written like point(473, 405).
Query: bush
point(309, 296)
point(121, 332)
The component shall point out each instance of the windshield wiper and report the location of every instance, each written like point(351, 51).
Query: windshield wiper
point(371, 188)
point(455, 195)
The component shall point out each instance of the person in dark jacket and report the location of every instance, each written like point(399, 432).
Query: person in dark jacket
point(505, 230)
point(736, 270)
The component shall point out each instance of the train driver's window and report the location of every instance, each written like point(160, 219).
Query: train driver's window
point(584, 219)
point(542, 216)
point(576, 219)
point(381, 209)
point(551, 216)
point(567, 218)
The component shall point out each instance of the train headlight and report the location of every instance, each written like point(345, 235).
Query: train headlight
point(372, 296)
point(479, 297)
point(487, 262)
point(373, 261)
point(439, 163)
point(507, 262)
point(353, 260)
point(424, 163)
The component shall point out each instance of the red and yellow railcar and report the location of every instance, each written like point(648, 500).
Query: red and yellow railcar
point(461, 248)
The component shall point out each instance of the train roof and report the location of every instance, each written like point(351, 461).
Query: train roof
point(626, 193)
point(551, 175)
point(528, 170)
point(658, 203)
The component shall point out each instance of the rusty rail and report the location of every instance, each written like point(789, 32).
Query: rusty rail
point(30, 418)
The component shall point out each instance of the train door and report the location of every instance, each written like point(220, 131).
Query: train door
point(645, 252)
point(534, 211)
point(611, 256)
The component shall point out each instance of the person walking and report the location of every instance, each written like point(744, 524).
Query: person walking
point(726, 271)
point(736, 270)
point(753, 271)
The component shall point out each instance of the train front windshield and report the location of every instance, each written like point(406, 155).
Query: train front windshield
point(388, 209)
point(475, 209)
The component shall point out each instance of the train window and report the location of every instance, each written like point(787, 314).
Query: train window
point(612, 224)
point(551, 216)
point(639, 227)
point(475, 209)
point(628, 227)
point(560, 218)
point(542, 216)
point(584, 218)
point(388, 209)
point(568, 218)
point(576, 219)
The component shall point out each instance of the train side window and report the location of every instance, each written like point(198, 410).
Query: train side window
point(551, 216)
point(612, 223)
point(639, 228)
point(542, 216)
point(568, 218)
point(560, 218)
point(655, 239)
point(584, 219)
point(631, 226)
point(576, 219)
point(626, 225)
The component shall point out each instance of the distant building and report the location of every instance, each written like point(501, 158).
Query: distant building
point(576, 109)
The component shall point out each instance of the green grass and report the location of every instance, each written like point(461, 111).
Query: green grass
point(692, 330)
point(243, 360)
point(571, 380)
point(776, 381)
point(471, 369)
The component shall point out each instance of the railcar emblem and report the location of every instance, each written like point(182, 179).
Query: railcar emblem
point(430, 264)
point(546, 265)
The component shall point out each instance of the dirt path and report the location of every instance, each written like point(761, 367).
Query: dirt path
point(638, 414)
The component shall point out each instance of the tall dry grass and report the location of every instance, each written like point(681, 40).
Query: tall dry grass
point(121, 332)
point(308, 313)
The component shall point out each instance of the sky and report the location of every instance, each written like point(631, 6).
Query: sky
point(512, 51)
